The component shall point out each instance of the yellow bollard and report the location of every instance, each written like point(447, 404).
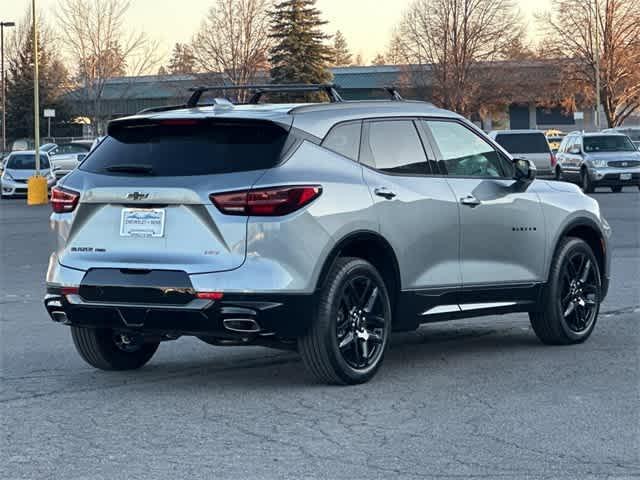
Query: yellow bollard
point(37, 193)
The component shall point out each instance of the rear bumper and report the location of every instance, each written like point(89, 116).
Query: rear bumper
point(285, 316)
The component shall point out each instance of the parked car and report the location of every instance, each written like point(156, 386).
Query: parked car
point(67, 156)
point(318, 228)
point(47, 147)
point(598, 160)
point(529, 144)
point(19, 166)
point(632, 132)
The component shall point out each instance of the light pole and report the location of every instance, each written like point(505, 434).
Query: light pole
point(37, 184)
point(4, 92)
point(597, 59)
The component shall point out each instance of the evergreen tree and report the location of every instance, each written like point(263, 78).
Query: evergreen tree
point(341, 54)
point(52, 78)
point(299, 53)
point(182, 60)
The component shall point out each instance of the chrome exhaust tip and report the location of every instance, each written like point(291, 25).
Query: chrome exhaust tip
point(241, 325)
point(59, 317)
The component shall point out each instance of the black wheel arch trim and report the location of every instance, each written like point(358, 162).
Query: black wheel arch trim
point(362, 236)
point(602, 254)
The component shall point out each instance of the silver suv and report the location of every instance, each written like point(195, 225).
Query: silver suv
point(313, 227)
point(598, 160)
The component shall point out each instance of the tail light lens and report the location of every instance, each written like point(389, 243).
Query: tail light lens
point(554, 160)
point(266, 202)
point(63, 201)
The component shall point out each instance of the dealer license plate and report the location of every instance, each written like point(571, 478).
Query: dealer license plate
point(142, 222)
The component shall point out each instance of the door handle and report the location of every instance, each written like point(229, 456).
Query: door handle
point(470, 200)
point(384, 192)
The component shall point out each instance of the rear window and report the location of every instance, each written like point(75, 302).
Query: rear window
point(185, 147)
point(610, 143)
point(26, 162)
point(523, 142)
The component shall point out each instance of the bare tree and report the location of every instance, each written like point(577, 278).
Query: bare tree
point(450, 37)
point(234, 39)
point(97, 41)
point(573, 29)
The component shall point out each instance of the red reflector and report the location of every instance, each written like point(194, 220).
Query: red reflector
point(63, 201)
point(266, 202)
point(210, 295)
point(553, 160)
point(69, 290)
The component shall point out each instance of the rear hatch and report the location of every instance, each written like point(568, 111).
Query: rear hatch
point(145, 194)
point(532, 146)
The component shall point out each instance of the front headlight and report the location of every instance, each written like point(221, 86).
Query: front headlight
point(599, 163)
point(7, 176)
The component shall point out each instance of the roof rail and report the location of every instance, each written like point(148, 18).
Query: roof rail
point(259, 90)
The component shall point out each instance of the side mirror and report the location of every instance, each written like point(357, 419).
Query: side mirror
point(525, 170)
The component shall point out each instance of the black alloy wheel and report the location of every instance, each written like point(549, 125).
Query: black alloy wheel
point(570, 301)
point(350, 332)
point(361, 323)
point(579, 292)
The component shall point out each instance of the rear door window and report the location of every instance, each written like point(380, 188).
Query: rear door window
point(186, 147)
point(344, 139)
point(523, 142)
point(394, 146)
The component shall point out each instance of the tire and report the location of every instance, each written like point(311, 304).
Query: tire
point(557, 174)
point(98, 348)
point(586, 183)
point(616, 189)
point(344, 348)
point(552, 324)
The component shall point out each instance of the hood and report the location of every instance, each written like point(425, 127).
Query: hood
point(24, 174)
point(608, 156)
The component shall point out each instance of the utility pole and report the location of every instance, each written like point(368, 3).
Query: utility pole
point(4, 90)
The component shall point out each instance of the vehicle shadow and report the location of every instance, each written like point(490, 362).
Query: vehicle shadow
point(268, 369)
point(429, 349)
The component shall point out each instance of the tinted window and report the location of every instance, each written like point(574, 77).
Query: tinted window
point(523, 142)
point(26, 162)
point(608, 143)
point(70, 148)
point(395, 147)
point(466, 154)
point(201, 148)
point(344, 139)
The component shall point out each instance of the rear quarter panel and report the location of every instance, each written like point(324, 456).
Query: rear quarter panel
point(296, 246)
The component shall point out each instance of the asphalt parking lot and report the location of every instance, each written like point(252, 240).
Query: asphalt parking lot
point(478, 398)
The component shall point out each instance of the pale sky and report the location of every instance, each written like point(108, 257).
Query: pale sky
point(366, 24)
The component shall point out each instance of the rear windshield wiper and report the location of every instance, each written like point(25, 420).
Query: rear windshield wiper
point(131, 168)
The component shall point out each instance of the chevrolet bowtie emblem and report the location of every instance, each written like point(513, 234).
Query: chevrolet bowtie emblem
point(625, 164)
point(137, 196)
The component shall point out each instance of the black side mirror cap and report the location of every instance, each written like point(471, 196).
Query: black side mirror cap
point(525, 170)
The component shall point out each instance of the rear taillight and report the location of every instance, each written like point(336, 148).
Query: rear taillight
point(266, 202)
point(553, 160)
point(63, 201)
